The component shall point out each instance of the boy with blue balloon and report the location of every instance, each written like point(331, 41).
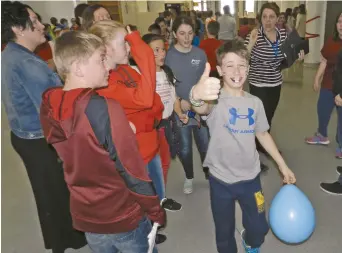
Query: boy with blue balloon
point(235, 118)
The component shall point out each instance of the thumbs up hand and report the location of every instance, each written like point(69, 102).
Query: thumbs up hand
point(207, 88)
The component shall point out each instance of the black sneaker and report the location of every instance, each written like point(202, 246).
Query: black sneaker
point(339, 170)
point(332, 188)
point(171, 205)
point(264, 167)
point(160, 238)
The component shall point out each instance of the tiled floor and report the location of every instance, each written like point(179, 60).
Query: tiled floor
point(191, 230)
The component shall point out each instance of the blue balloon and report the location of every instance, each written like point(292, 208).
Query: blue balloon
point(292, 216)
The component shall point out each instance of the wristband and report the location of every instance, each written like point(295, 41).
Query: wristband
point(196, 103)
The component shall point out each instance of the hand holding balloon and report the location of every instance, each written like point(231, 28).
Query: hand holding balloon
point(289, 177)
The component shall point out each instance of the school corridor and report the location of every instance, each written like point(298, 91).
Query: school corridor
point(191, 230)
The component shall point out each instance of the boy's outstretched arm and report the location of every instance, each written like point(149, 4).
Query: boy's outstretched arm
point(266, 140)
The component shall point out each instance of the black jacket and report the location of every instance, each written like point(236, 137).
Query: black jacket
point(337, 78)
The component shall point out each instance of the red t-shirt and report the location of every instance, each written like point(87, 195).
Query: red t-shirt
point(44, 51)
point(330, 51)
point(209, 46)
point(243, 31)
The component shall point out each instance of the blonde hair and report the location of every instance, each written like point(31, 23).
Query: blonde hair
point(72, 46)
point(106, 29)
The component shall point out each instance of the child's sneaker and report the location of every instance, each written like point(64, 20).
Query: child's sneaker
point(248, 248)
point(171, 205)
point(317, 139)
point(332, 188)
point(338, 154)
point(188, 188)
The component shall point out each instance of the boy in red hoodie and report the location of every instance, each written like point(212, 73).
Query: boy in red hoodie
point(111, 196)
point(136, 93)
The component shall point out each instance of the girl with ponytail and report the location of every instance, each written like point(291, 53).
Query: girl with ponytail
point(166, 89)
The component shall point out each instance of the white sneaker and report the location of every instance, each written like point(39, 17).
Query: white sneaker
point(188, 188)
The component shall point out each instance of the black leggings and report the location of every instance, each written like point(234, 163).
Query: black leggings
point(50, 192)
point(270, 98)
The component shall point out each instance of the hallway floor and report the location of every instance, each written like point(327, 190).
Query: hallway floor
point(191, 230)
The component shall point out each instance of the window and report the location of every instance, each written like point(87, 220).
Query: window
point(249, 5)
point(200, 5)
point(230, 3)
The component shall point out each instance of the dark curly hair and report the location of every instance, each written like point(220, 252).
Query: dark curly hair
point(14, 14)
point(269, 5)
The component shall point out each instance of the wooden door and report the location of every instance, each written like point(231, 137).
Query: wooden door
point(113, 7)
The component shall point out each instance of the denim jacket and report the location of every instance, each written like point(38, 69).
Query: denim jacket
point(24, 78)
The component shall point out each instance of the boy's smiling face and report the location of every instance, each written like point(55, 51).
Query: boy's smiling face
point(234, 70)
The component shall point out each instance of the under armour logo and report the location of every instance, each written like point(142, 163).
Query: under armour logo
point(234, 116)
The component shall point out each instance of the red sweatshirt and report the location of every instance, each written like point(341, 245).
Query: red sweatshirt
point(136, 93)
point(110, 191)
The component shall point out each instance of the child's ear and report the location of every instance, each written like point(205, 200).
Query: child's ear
point(219, 70)
point(76, 69)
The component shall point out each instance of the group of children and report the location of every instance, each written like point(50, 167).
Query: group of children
point(111, 126)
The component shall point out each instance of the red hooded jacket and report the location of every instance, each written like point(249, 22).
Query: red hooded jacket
point(110, 190)
point(136, 93)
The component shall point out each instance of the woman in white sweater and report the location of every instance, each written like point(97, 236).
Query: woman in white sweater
point(301, 21)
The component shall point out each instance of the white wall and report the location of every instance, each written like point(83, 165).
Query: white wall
point(156, 6)
point(58, 9)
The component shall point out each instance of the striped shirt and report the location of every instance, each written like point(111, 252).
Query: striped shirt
point(266, 59)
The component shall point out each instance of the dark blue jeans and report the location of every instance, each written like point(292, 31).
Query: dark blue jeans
point(325, 107)
point(339, 126)
point(134, 241)
point(184, 137)
point(250, 197)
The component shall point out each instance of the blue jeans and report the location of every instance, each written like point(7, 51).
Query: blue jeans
point(184, 138)
point(325, 107)
point(250, 197)
point(134, 241)
point(155, 171)
point(339, 126)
